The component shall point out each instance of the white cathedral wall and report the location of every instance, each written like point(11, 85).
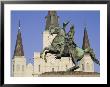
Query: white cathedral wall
point(52, 64)
point(87, 64)
point(29, 70)
point(39, 64)
point(47, 39)
point(19, 66)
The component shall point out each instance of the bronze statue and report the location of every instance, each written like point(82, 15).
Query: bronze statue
point(63, 45)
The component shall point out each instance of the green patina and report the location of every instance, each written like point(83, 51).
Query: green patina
point(64, 43)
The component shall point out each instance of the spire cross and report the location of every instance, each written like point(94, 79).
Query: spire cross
point(85, 24)
point(19, 25)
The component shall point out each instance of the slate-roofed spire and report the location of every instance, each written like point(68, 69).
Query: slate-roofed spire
point(86, 43)
point(51, 19)
point(19, 47)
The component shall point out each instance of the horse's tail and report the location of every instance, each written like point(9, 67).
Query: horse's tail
point(95, 60)
point(93, 57)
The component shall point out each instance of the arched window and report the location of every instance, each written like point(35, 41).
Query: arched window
point(58, 68)
point(52, 69)
point(66, 67)
point(22, 67)
point(17, 67)
point(82, 66)
point(13, 68)
point(88, 66)
point(39, 68)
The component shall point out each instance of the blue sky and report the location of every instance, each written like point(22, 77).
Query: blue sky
point(33, 25)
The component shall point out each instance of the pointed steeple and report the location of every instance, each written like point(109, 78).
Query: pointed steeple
point(86, 43)
point(19, 47)
point(51, 19)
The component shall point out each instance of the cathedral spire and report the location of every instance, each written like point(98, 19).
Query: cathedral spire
point(51, 19)
point(19, 47)
point(86, 43)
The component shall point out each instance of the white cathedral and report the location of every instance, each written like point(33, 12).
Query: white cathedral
point(21, 69)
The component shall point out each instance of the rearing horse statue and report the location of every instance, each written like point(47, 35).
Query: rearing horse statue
point(62, 40)
point(57, 45)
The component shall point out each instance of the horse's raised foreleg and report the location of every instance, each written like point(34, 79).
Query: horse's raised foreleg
point(43, 53)
point(60, 48)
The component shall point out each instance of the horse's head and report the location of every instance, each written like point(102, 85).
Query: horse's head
point(54, 30)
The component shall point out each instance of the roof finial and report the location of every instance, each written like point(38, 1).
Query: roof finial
point(85, 24)
point(19, 25)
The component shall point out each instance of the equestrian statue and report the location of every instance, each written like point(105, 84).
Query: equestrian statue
point(63, 45)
